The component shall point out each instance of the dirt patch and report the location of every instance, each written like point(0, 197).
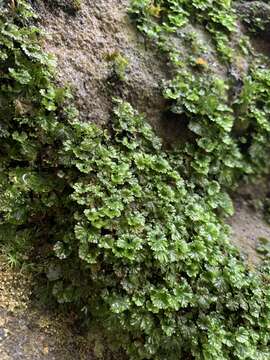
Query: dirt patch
point(36, 338)
point(262, 45)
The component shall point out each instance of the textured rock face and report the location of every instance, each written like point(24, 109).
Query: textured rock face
point(255, 16)
point(248, 227)
point(82, 43)
point(253, 12)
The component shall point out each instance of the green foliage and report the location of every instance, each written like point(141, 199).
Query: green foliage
point(231, 136)
point(31, 132)
point(264, 247)
point(77, 4)
point(160, 17)
point(132, 234)
point(16, 246)
point(157, 252)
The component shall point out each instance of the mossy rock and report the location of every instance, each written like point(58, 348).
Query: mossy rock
point(255, 15)
point(69, 6)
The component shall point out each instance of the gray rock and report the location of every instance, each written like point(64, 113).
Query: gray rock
point(82, 44)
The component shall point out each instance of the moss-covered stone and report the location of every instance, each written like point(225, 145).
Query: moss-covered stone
point(255, 15)
point(69, 6)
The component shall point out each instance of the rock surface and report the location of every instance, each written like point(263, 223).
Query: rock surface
point(82, 44)
point(255, 14)
point(248, 223)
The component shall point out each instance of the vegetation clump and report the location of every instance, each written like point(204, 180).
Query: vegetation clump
point(119, 64)
point(130, 233)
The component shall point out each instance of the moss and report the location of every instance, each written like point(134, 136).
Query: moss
point(127, 232)
point(69, 6)
point(119, 63)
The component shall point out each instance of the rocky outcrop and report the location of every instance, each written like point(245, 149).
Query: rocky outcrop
point(85, 44)
point(255, 14)
point(86, 36)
